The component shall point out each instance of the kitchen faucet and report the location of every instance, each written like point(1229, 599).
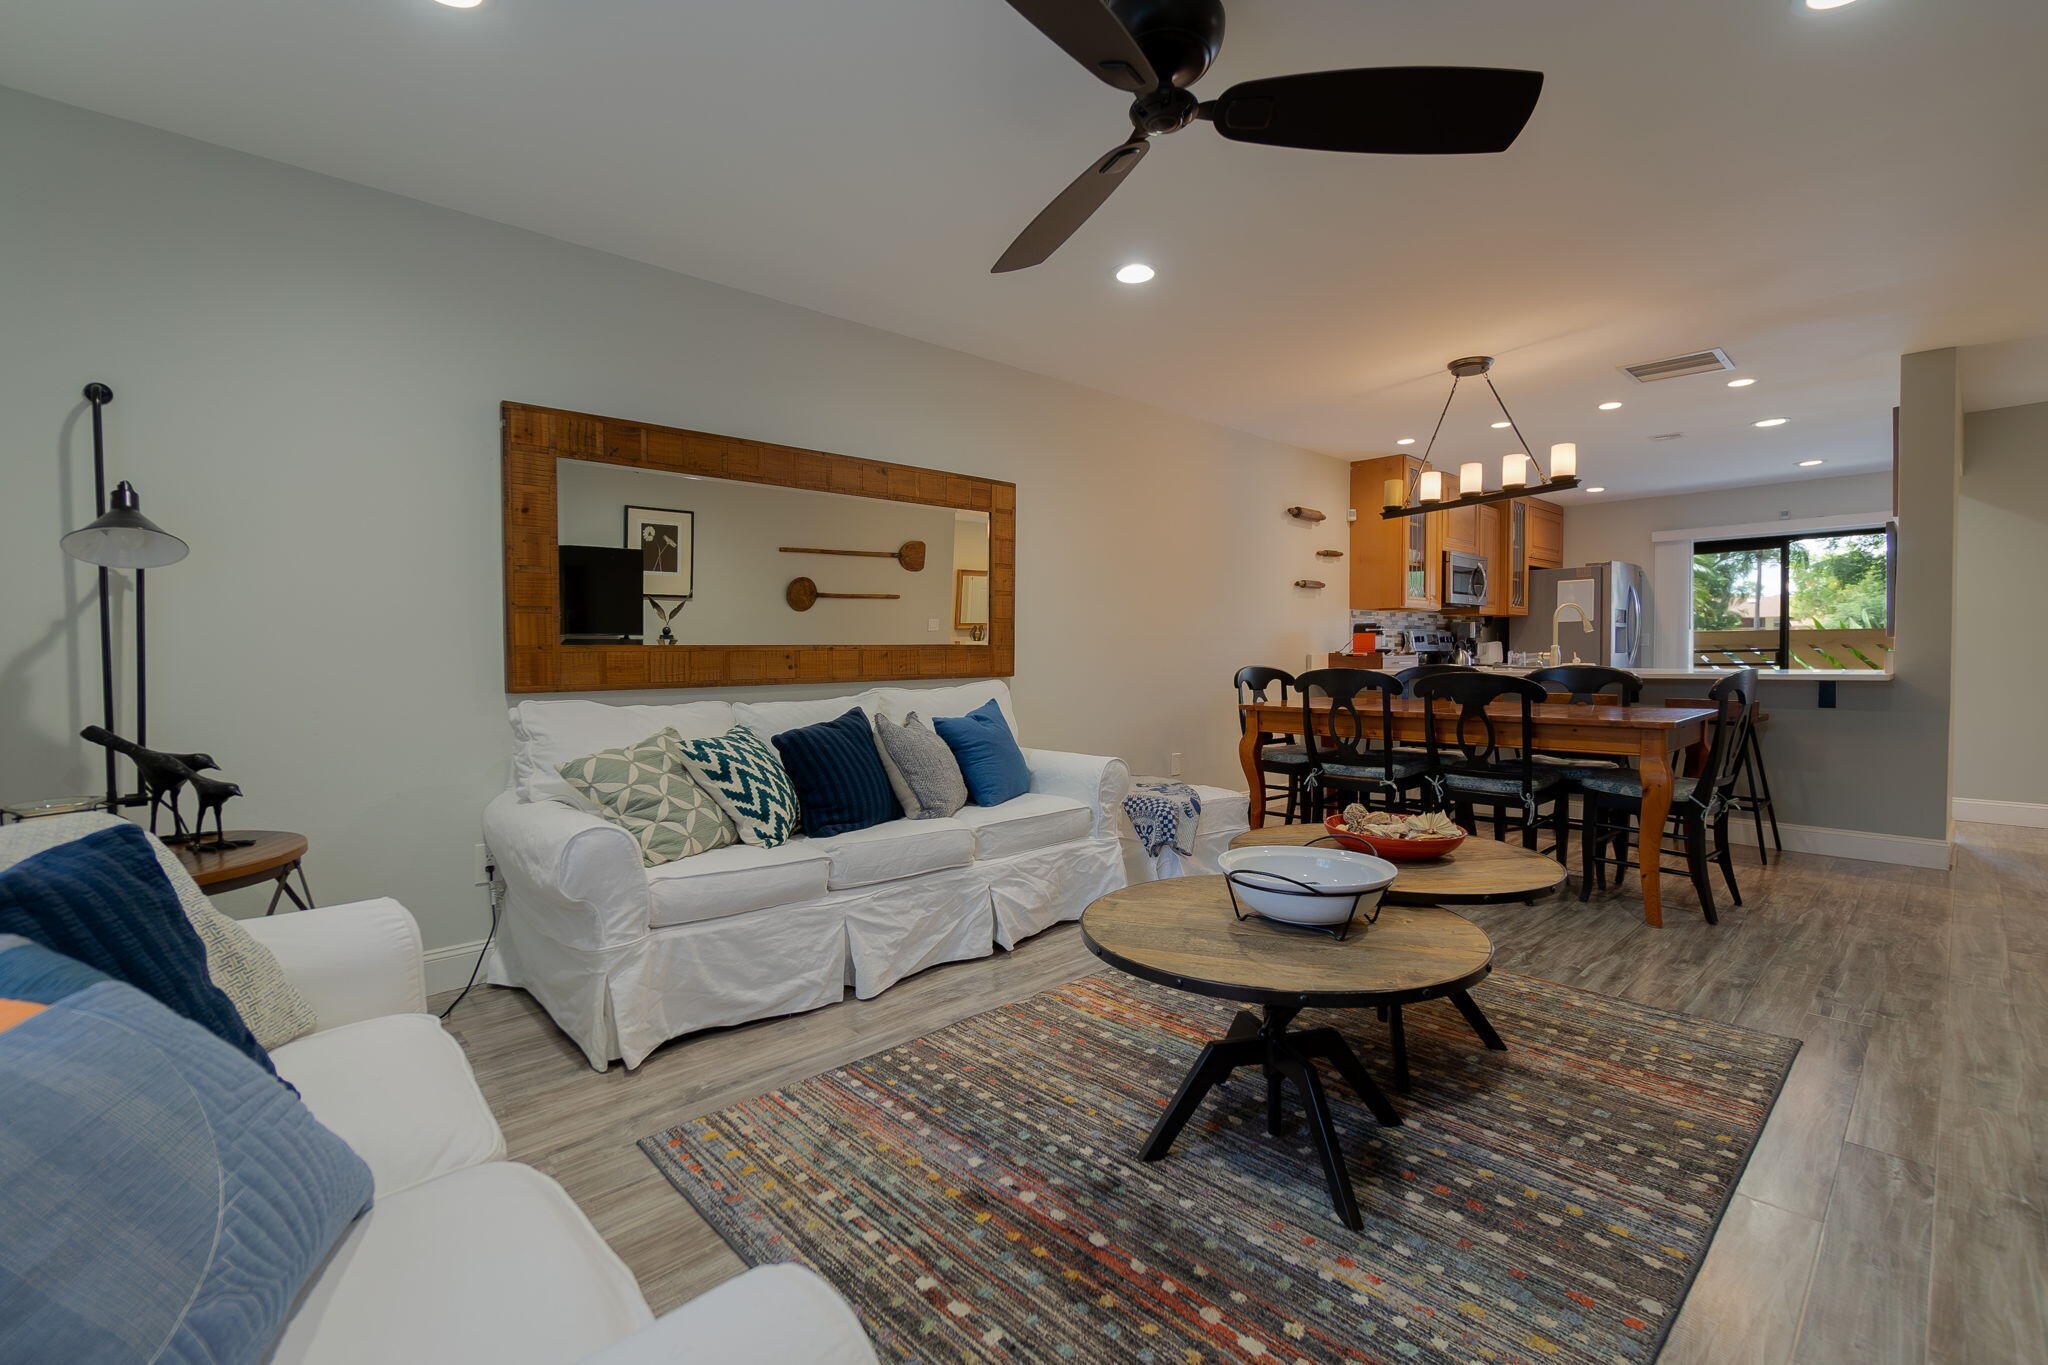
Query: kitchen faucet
point(1557, 620)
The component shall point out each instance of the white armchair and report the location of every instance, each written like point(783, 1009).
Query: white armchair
point(434, 1270)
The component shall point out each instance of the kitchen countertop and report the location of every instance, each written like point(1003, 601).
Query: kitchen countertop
point(1806, 675)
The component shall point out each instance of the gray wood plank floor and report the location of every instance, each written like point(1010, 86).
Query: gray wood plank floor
point(1897, 1206)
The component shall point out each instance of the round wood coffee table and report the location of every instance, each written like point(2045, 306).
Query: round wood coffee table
point(1182, 932)
point(1477, 872)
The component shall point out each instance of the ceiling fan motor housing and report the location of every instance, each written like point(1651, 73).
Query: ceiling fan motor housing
point(1179, 37)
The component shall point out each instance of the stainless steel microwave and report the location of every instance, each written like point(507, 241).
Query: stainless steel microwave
point(1464, 580)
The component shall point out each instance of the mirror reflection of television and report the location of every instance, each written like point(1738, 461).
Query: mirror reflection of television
point(601, 591)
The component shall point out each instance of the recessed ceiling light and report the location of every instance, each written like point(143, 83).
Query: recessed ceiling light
point(1597, 488)
point(1808, 464)
point(1135, 273)
point(1609, 407)
point(1405, 441)
point(1498, 425)
point(461, 4)
point(1772, 422)
point(1810, 4)
point(1740, 383)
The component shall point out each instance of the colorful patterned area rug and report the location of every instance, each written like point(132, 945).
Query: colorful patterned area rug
point(976, 1193)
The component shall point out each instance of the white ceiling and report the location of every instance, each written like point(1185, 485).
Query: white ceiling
point(1815, 192)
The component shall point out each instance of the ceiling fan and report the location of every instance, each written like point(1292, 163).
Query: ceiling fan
point(1155, 49)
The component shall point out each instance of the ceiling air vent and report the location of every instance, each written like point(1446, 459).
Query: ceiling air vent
point(1669, 436)
point(1679, 366)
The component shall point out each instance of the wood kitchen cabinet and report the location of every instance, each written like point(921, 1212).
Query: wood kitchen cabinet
point(1395, 565)
point(1462, 531)
point(1546, 534)
point(1515, 558)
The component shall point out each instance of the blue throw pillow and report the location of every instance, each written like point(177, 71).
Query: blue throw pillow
point(839, 779)
point(989, 757)
point(166, 1200)
point(104, 901)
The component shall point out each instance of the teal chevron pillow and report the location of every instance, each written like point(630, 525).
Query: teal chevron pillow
point(748, 781)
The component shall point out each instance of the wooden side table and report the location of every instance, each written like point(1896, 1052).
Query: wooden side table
point(271, 855)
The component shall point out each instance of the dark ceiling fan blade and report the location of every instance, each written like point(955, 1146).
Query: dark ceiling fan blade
point(1420, 110)
point(1060, 219)
point(1092, 36)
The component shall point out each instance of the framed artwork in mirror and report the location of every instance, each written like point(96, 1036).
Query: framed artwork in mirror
point(970, 598)
point(667, 540)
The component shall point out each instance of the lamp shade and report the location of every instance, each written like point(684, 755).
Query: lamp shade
point(124, 538)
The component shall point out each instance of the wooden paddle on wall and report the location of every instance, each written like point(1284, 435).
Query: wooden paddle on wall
point(802, 594)
point(910, 556)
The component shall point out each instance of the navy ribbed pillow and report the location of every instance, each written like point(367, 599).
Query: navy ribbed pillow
point(838, 776)
point(104, 901)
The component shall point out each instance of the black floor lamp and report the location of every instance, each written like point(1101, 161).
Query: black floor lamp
point(120, 537)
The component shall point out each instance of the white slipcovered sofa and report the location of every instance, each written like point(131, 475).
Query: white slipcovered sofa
point(464, 1256)
point(625, 957)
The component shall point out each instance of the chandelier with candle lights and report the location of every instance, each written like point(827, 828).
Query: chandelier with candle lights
point(1426, 492)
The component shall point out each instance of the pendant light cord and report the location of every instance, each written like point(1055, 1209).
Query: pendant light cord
point(1448, 398)
point(1514, 426)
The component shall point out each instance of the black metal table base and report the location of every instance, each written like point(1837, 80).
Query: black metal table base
point(1285, 1056)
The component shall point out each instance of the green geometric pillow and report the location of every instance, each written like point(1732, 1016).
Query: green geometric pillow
point(645, 790)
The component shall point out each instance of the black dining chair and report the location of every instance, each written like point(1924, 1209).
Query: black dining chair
point(1473, 765)
point(1277, 757)
point(1408, 677)
point(1587, 685)
point(1700, 805)
point(1347, 759)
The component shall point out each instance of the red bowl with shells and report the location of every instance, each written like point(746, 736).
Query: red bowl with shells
point(1398, 850)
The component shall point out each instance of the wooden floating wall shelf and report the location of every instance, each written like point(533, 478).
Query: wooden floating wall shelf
point(1309, 583)
point(1308, 514)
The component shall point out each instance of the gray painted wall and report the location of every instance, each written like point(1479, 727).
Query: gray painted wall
point(2001, 579)
point(307, 377)
point(1877, 761)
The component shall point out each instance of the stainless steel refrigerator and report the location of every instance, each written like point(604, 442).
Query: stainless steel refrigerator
point(1615, 595)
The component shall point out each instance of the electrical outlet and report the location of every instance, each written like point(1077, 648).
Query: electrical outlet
point(1175, 770)
point(931, 623)
point(484, 870)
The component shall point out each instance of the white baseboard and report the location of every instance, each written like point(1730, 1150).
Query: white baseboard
point(1902, 849)
point(2027, 814)
point(448, 968)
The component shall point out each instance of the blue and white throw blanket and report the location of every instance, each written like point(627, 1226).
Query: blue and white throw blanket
point(1163, 813)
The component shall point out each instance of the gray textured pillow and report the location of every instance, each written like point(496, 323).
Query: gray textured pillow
point(921, 768)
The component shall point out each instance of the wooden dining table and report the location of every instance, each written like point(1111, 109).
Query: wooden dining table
point(1652, 735)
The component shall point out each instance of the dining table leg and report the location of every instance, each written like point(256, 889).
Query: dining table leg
point(1656, 772)
point(1254, 781)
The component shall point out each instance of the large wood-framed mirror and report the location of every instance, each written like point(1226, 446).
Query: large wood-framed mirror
point(642, 556)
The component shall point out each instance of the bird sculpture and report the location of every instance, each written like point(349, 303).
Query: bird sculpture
point(212, 794)
point(164, 778)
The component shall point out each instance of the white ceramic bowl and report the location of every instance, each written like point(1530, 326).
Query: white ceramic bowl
point(1339, 874)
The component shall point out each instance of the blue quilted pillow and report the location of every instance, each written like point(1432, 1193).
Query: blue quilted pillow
point(166, 1199)
point(838, 775)
point(105, 901)
point(989, 757)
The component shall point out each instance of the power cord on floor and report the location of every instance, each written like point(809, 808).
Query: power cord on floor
point(481, 955)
